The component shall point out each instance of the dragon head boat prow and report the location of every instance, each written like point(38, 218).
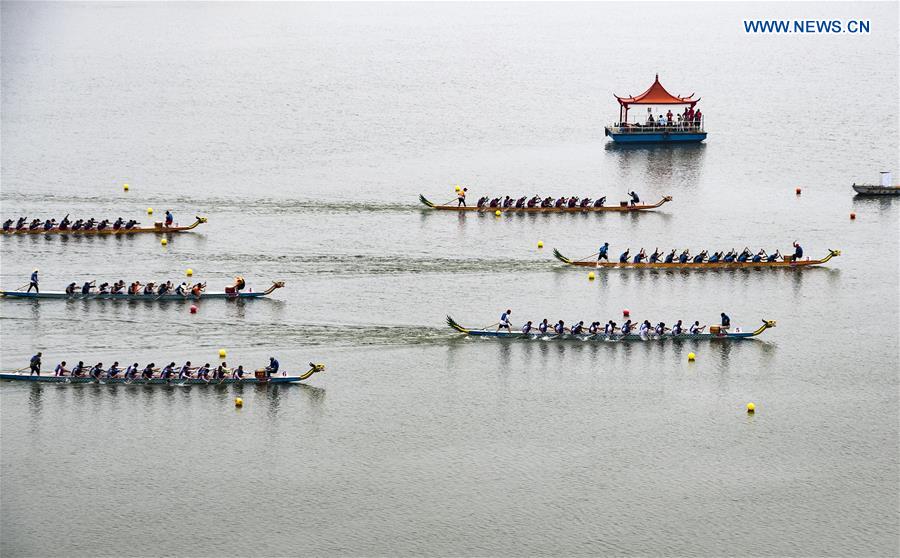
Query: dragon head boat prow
point(766, 324)
point(200, 220)
point(560, 257)
point(667, 199)
point(452, 323)
point(313, 368)
point(275, 285)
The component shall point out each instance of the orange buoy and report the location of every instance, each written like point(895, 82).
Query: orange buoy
point(193, 308)
point(626, 312)
point(798, 191)
point(852, 216)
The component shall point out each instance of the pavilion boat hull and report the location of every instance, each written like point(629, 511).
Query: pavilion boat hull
point(876, 190)
point(654, 137)
point(728, 336)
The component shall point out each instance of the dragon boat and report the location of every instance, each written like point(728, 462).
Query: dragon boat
point(719, 335)
point(786, 262)
point(141, 296)
point(157, 228)
point(258, 377)
point(622, 207)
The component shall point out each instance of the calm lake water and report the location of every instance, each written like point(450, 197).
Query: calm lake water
point(305, 133)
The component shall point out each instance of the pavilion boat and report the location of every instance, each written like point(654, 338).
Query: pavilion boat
point(652, 131)
point(715, 334)
point(787, 262)
point(230, 293)
point(886, 188)
point(157, 228)
point(258, 377)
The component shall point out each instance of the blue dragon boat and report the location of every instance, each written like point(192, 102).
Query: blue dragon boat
point(672, 128)
point(259, 377)
point(61, 295)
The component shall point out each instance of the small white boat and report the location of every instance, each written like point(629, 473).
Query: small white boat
point(886, 188)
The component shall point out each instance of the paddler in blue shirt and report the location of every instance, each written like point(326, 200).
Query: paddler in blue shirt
point(169, 218)
point(603, 253)
point(131, 371)
point(623, 258)
point(726, 321)
point(78, 369)
point(60, 369)
point(168, 371)
point(527, 327)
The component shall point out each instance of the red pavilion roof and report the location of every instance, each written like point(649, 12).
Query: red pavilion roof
point(657, 95)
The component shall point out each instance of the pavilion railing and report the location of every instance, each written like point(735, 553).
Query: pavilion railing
point(656, 128)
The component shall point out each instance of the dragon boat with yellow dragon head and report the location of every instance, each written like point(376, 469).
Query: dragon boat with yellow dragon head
point(622, 206)
point(786, 262)
point(158, 228)
point(716, 334)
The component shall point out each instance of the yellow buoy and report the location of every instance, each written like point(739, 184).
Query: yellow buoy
point(457, 188)
point(238, 402)
point(222, 353)
point(591, 276)
point(497, 213)
point(125, 186)
point(691, 357)
point(164, 242)
point(189, 272)
point(751, 408)
point(149, 211)
point(540, 243)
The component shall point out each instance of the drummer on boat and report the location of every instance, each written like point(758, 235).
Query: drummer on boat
point(798, 252)
point(635, 199)
point(272, 368)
